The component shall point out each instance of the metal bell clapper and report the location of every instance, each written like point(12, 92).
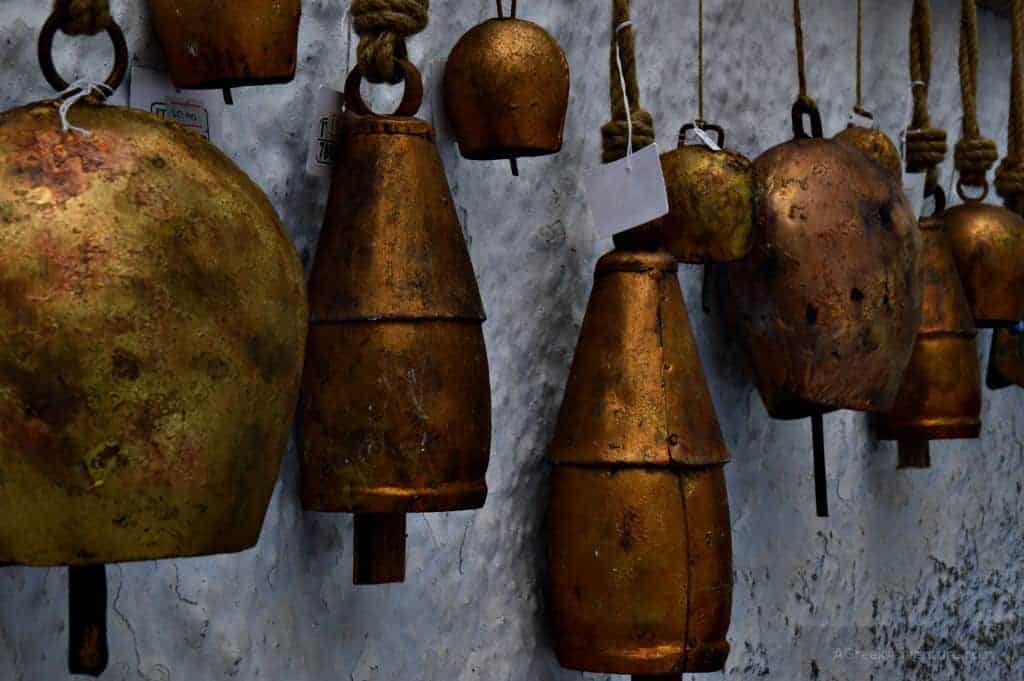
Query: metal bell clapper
point(1006, 361)
point(396, 412)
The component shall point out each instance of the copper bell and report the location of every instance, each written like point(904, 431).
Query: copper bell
point(941, 393)
point(639, 545)
point(988, 246)
point(1006, 360)
point(874, 144)
point(223, 44)
point(506, 90)
point(396, 413)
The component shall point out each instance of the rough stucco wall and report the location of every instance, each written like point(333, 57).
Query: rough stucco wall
point(920, 569)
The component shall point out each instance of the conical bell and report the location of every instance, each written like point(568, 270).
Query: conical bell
point(506, 90)
point(220, 44)
point(1006, 361)
point(941, 393)
point(988, 246)
point(876, 145)
point(396, 414)
point(639, 542)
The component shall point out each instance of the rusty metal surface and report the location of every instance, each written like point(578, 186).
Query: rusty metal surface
point(227, 43)
point(1006, 361)
point(506, 90)
point(152, 321)
point(829, 302)
point(876, 145)
point(988, 246)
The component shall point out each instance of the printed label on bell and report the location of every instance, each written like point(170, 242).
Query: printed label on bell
point(323, 133)
point(627, 192)
point(201, 111)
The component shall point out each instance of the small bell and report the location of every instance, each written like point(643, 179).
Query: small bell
point(874, 144)
point(1006, 361)
point(396, 414)
point(639, 545)
point(940, 397)
point(506, 90)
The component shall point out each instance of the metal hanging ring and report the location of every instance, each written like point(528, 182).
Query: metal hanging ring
point(939, 195)
point(806, 107)
point(501, 10)
point(703, 125)
point(55, 80)
point(411, 99)
point(962, 192)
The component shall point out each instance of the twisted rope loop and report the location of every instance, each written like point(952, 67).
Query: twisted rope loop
point(382, 27)
point(926, 146)
point(974, 155)
point(615, 134)
point(83, 17)
point(1010, 175)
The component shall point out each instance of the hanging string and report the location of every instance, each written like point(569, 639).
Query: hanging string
point(926, 146)
point(801, 65)
point(700, 60)
point(859, 105)
point(974, 155)
point(1010, 175)
point(83, 17)
point(382, 27)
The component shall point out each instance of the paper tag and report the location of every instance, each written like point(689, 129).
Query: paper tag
point(859, 120)
point(201, 111)
point(913, 187)
point(705, 138)
point(627, 192)
point(323, 132)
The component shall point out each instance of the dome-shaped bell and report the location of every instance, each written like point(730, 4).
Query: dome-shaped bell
point(876, 145)
point(1006, 361)
point(506, 90)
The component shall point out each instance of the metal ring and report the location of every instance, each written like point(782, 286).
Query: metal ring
point(805, 106)
point(703, 125)
point(939, 195)
point(412, 98)
point(970, 199)
point(55, 80)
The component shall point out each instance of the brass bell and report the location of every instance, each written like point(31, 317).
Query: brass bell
point(396, 414)
point(1006, 361)
point(988, 247)
point(639, 544)
point(941, 393)
point(506, 90)
point(876, 145)
point(217, 44)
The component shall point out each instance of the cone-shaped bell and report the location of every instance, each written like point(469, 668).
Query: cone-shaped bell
point(220, 44)
point(940, 397)
point(988, 246)
point(506, 91)
point(1006, 361)
point(396, 411)
point(876, 145)
point(639, 548)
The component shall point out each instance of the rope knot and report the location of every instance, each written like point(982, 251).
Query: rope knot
point(382, 27)
point(926, 148)
point(615, 135)
point(974, 157)
point(1010, 178)
point(84, 17)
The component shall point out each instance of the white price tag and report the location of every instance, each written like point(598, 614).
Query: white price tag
point(323, 132)
point(201, 111)
point(859, 120)
point(627, 192)
point(705, 139)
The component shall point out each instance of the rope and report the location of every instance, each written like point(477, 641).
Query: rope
point(926, 146)
point(859, 106)
point(632, 127)
point(1010, 175)
point(974, 155)
point(83, 17)
point(801, 62)
point(700, 59)
point(382, 27)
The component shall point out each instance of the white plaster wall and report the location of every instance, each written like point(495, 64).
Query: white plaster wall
point(922, 570)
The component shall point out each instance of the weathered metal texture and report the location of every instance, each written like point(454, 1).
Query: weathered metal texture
point(226, 43)
point(506, 91)
point(876, 145)
point(829, 302)
point(1006, 361)
point(988, 246)
point(152, 323)
point(396, 405)
point(940, 397)
point(639, 538)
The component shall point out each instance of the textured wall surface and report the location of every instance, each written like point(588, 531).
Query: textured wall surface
point(917, 575)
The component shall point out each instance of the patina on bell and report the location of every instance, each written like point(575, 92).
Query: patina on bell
point(1006, 361)
point(876, 145)
point(940, 397)
point(639, 543)
point(396, 414)
point(506, 90)
point(221, 44)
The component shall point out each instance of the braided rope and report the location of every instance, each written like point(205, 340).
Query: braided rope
point(84, 17)
point(1010, 175)
point(974, 155)
point(926, 146)
point(382, 27)
point(615, 133)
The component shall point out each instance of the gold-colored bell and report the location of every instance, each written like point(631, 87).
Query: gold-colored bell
point(940, 397)
point(988, 246)
point(874, 144)
point(396, 411)
point(639, 543)
point(1006, 361)
point(220, 44)
point(506, 90)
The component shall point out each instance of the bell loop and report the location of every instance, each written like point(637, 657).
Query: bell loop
point(805, 106)
point(938, 194)
point(961, 191)
point(411, 99)
point(700, 124)
point(501, 10)
point(50, 28)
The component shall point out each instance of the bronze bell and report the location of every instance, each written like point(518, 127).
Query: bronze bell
point(223, 44)
point(506, 90)
point(988, 246)
point(1006, 361)
point(396, 413)
point(941, 393)
point(639, 544)
point(876, 145)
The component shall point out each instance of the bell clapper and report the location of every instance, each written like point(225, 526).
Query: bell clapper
point(914, 454)
point(820, 475)
point(514, 163)
point(228, 97)
point(379, 553)
point(88, 653)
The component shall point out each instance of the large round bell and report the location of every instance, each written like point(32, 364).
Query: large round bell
point(876, 145)
point(1006, 361)
point(506, 90)
point(988, 246)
